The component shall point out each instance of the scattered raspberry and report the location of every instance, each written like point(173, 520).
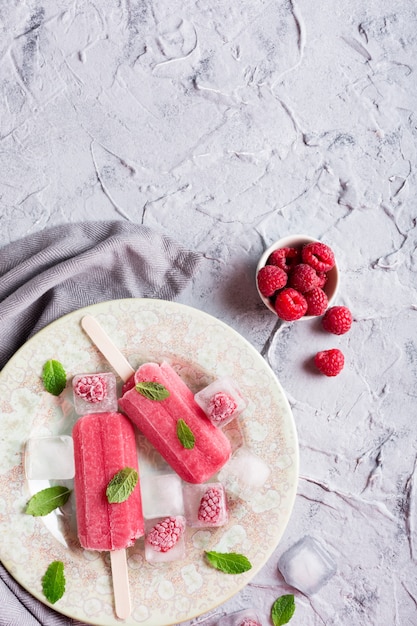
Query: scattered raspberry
point(270, 279)
point(337, 320)
point(220, 407)
point(91, 388)
point(166, 534)
point(318, 255)
point(210, 506)
point(249, 622)
point(303, 278)
point(330, 362)
point(317, 301)
point(290, 304)
point(285, 258)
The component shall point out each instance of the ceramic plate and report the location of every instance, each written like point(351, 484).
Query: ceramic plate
point(200, 348)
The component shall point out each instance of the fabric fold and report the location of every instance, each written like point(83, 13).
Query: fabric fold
point(54, 272)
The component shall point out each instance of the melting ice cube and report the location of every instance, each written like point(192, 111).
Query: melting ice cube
point(307, 566)
point(244, 474)
point(94, 393)
point(205, 505)
point(221, 401)
point(49, 458)
point(161, 495)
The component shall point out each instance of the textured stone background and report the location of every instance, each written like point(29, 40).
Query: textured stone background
point(227, 125)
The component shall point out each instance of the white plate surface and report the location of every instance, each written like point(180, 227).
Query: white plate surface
point(200, 348)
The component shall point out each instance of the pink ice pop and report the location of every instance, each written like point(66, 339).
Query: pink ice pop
point(157, 420)
point(104, 444)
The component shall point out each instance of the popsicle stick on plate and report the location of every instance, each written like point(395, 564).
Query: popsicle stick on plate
point(106, 346)
point(122, 367)
point(121, 588)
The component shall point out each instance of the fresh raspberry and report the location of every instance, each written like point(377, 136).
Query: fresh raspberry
point(220, 407)
point(330, 362)
point(210, 506)
point(317, 301)
point(303, 278)
point(270, 279)
point(290, 304)
point(285, 258)
point(91, 388)
point(318, 255)
point(166, 534)
point(322, 279)
point(337, 320)
point(249, 622)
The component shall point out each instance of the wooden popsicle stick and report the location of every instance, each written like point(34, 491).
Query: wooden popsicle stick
point(120, 583)
point(106, 346)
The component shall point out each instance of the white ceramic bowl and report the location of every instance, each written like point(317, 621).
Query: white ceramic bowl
point(298, 241)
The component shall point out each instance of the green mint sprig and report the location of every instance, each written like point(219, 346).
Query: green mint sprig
point(185, 435)
point(152, 391)
point(121, 485)
point(229, 562)
point(53, 582)
point(47, 500)
point(283, 610)
point(54, 377)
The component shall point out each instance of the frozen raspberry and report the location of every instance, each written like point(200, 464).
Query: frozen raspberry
point(285, 258)
point(330, 362)
point(271, 279)
point(303, 278)
point(220, 407)
point(317, 301)
point(166, 534)
point(337, 320)
point(210, 505)
point(318, 255)
point(249, 622)
point(290, 304)
point(91, 388)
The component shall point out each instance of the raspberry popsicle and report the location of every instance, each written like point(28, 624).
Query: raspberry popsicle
point(159, 420)
point(105, 444)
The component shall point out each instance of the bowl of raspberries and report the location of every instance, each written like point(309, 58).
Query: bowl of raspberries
point(297, 278)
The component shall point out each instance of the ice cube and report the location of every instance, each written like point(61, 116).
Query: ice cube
point(205, 505)
point(94, 393)
point(49, 458)
point(307, 566)
point(221, 401)
point(161, 495)
point(234, 433)
point(244, 474)
point(160, 533)
point(246, 617)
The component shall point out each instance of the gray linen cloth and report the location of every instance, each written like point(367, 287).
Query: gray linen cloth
point(56, 271)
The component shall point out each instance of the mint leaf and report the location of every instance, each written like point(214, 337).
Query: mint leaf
point(283, 610)
point(54, 377)
point(53, 582)
point(121, 485)
point(47, 500)
point(185, 435)
point(230, 562)
point(152, 391)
